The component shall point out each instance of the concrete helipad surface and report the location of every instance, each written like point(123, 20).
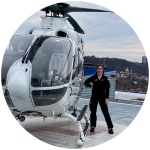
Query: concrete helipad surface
point(62, 132)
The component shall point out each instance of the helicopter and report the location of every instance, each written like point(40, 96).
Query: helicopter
point(43, 70)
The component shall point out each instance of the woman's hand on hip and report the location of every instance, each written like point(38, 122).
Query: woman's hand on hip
point(106, 101)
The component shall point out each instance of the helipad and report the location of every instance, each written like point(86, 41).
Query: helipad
point(62, 132)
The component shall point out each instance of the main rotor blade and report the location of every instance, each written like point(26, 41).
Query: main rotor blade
point(74, 24)
point(64, 8)
point(63, 4)
point(68, 9)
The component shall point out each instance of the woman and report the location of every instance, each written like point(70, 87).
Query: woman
point(100, 94)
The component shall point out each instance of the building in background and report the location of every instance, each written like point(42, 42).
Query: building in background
point(147, 61)
point(127, 72)
point(144, 60)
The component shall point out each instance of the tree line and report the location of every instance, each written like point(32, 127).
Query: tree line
point(139, 69)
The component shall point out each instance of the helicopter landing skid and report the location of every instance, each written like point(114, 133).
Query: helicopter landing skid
point(82, 133)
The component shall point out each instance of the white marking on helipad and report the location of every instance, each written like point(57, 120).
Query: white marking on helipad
point(126, 104)
point(113, 102)
point(64, 133)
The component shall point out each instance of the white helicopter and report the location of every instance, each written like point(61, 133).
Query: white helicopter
point(42, 71)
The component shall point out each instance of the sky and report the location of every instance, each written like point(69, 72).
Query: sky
point(106, 34)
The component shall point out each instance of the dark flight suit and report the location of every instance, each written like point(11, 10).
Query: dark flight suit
point(100, 92)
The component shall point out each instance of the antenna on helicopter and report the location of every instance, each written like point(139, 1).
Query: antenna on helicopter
point(64, 9)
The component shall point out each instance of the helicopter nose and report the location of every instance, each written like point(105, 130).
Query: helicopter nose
point(18, 84)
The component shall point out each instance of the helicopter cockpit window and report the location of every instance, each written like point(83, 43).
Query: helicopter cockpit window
point(18, 45)
point(51, 59)
point(14, 51)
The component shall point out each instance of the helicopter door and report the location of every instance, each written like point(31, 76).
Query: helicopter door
point(80, 73)
point(14, 51)
point(75, 66)
point(76, 75)
point(50, 58)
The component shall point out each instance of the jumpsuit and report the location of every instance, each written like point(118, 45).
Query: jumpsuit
point(100, 92)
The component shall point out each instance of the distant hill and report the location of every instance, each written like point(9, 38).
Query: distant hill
point(120, 64)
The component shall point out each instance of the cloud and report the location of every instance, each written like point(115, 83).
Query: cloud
point(116, 49)
point(106, 33)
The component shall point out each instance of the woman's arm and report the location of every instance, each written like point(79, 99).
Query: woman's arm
point(87, 81)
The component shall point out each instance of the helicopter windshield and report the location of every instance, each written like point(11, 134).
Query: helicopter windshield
point(14, 51)
point(18, 44)
point(51, 59)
